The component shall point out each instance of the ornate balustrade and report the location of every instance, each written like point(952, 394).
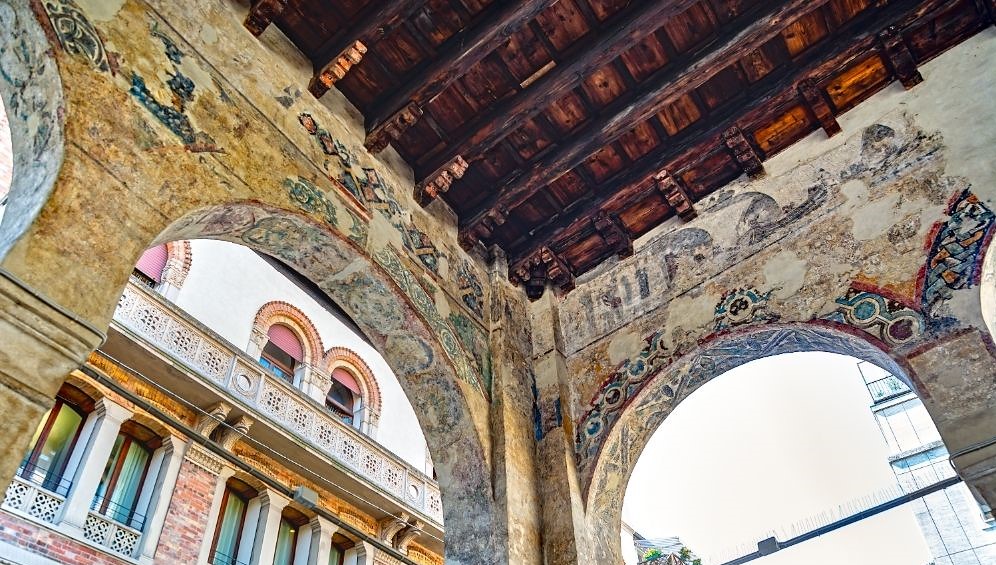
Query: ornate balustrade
point(111, 534)
point(32, 500)
point(170, 330)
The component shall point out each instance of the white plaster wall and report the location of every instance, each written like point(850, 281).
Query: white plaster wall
point(906, 425)
point(227, 286)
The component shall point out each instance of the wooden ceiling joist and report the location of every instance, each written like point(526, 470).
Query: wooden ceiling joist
point(509, 115)
point(348, 46)
point(675, 81)
point(460, 52)
point(857, 39)
point(262, 13)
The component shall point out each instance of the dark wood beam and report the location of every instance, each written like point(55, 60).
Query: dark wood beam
point(855, 41)
point(510, 114)
point(461, 52)
point(819, 107)
point(348, 46)
point(613, 233)
point(262, 13)
point(742, 150)
point(645, 103)
point(897, 53)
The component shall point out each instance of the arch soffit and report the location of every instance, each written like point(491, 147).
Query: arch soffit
point(605, 479)
point(345, 358)
point(367, 287)
point(279, 312)
point(34, 102)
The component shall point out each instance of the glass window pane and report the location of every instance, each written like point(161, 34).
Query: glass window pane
point(229, 531)
point(335, 557)
point(286, 538)
point(52, 445)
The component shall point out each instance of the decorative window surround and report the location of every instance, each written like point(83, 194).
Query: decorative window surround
point(147, 317)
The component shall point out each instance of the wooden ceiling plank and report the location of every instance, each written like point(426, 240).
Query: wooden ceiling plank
point(677, 80)
point(461, 52)
point(348, 46)
point(262, 13)
point(858, 39)
point(507, 116)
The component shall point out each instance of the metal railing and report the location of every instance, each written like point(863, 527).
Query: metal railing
point(42, 477)
point(886, 388)
point(168, 329)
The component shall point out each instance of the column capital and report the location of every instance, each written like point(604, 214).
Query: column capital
point(203, 458)
point(112, 411)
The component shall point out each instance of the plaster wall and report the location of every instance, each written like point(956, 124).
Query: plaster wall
point(227, 286)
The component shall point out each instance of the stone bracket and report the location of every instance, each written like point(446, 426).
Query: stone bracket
point(818, 106)
point(388, 527)
point(391, 129)
point(676, 195)
point(336, 69)
point(211, 418)
point(262, 13)
point(230, 435)
point(743, 151)
point(408, 535)
point(900, 58)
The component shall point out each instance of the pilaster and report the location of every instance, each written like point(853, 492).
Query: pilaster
point(169, 470)
point(321, 540)
point(264, 543)
point(42, 343)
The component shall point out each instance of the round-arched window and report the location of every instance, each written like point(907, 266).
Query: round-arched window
point(282, 353)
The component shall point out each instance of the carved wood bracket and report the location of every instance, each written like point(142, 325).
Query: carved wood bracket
point(262, 13)
point(743, 151)
point(676, 195)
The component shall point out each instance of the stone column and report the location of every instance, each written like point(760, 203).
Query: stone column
point(321, 540)
point(162, 493)
point(565, 535)
point(514, 444)
point(108, 419)
point(957, 378)
point(264, 544)
point(360, 554)
point(42, 343)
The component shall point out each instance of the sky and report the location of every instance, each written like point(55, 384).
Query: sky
point(762, 447)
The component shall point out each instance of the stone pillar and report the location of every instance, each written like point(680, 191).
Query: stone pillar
point(565, 534)
point(316, 384)
point(42, 343)
point(957, 378)
point(264, 544)
point(321, 541)
point(162, 493)
point(514, 443)
point(108, 419)
point(360, 554)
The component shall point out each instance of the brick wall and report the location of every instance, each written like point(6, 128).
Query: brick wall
point(187, 516)
point(39, 540)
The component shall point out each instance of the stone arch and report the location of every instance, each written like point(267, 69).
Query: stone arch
point(179, 258)
point(605, 481)
point(444, 401)
point(343, 357)
point(279, 312)
point(32, 94)
point(987, 290)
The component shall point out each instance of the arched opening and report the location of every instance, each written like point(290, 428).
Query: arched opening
point(283, 353)
point(31, 142)
point(793, 442)
point(343, 396)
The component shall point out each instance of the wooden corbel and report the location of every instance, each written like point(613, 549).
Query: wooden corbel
point(743, 151)
point(676, 195)
point(262, 13)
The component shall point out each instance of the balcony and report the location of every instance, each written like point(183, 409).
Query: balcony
point(224, 369)
point(886, 388)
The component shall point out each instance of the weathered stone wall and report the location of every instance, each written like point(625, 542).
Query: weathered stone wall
point(179, 124)
point(878, 233)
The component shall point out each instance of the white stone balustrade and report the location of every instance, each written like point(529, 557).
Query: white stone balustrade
point(112, 535)
point(148, 316)
point(31, 500)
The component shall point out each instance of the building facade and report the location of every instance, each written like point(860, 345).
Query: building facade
point(173, 445)
point(958, 529)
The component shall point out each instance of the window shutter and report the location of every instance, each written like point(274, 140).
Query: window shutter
point(152, 262)
point(284, 338)
point(344, 377)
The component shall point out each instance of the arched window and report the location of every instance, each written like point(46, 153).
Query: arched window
point(291, 522)
point(54, 441)
point(149, 268)
point(282, 353)
point(231, 522)
point(342, 395)
point(124, 475)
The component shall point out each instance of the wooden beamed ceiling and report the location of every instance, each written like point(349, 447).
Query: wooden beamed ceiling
point(560, 130)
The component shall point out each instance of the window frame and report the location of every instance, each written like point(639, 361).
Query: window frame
point(68, 397)
point(131, 431)
point(285, 372)
point(245, 493)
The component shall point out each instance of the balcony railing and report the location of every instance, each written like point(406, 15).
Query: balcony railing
point(33, 500)
point(170, 330)
point(885, 388)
